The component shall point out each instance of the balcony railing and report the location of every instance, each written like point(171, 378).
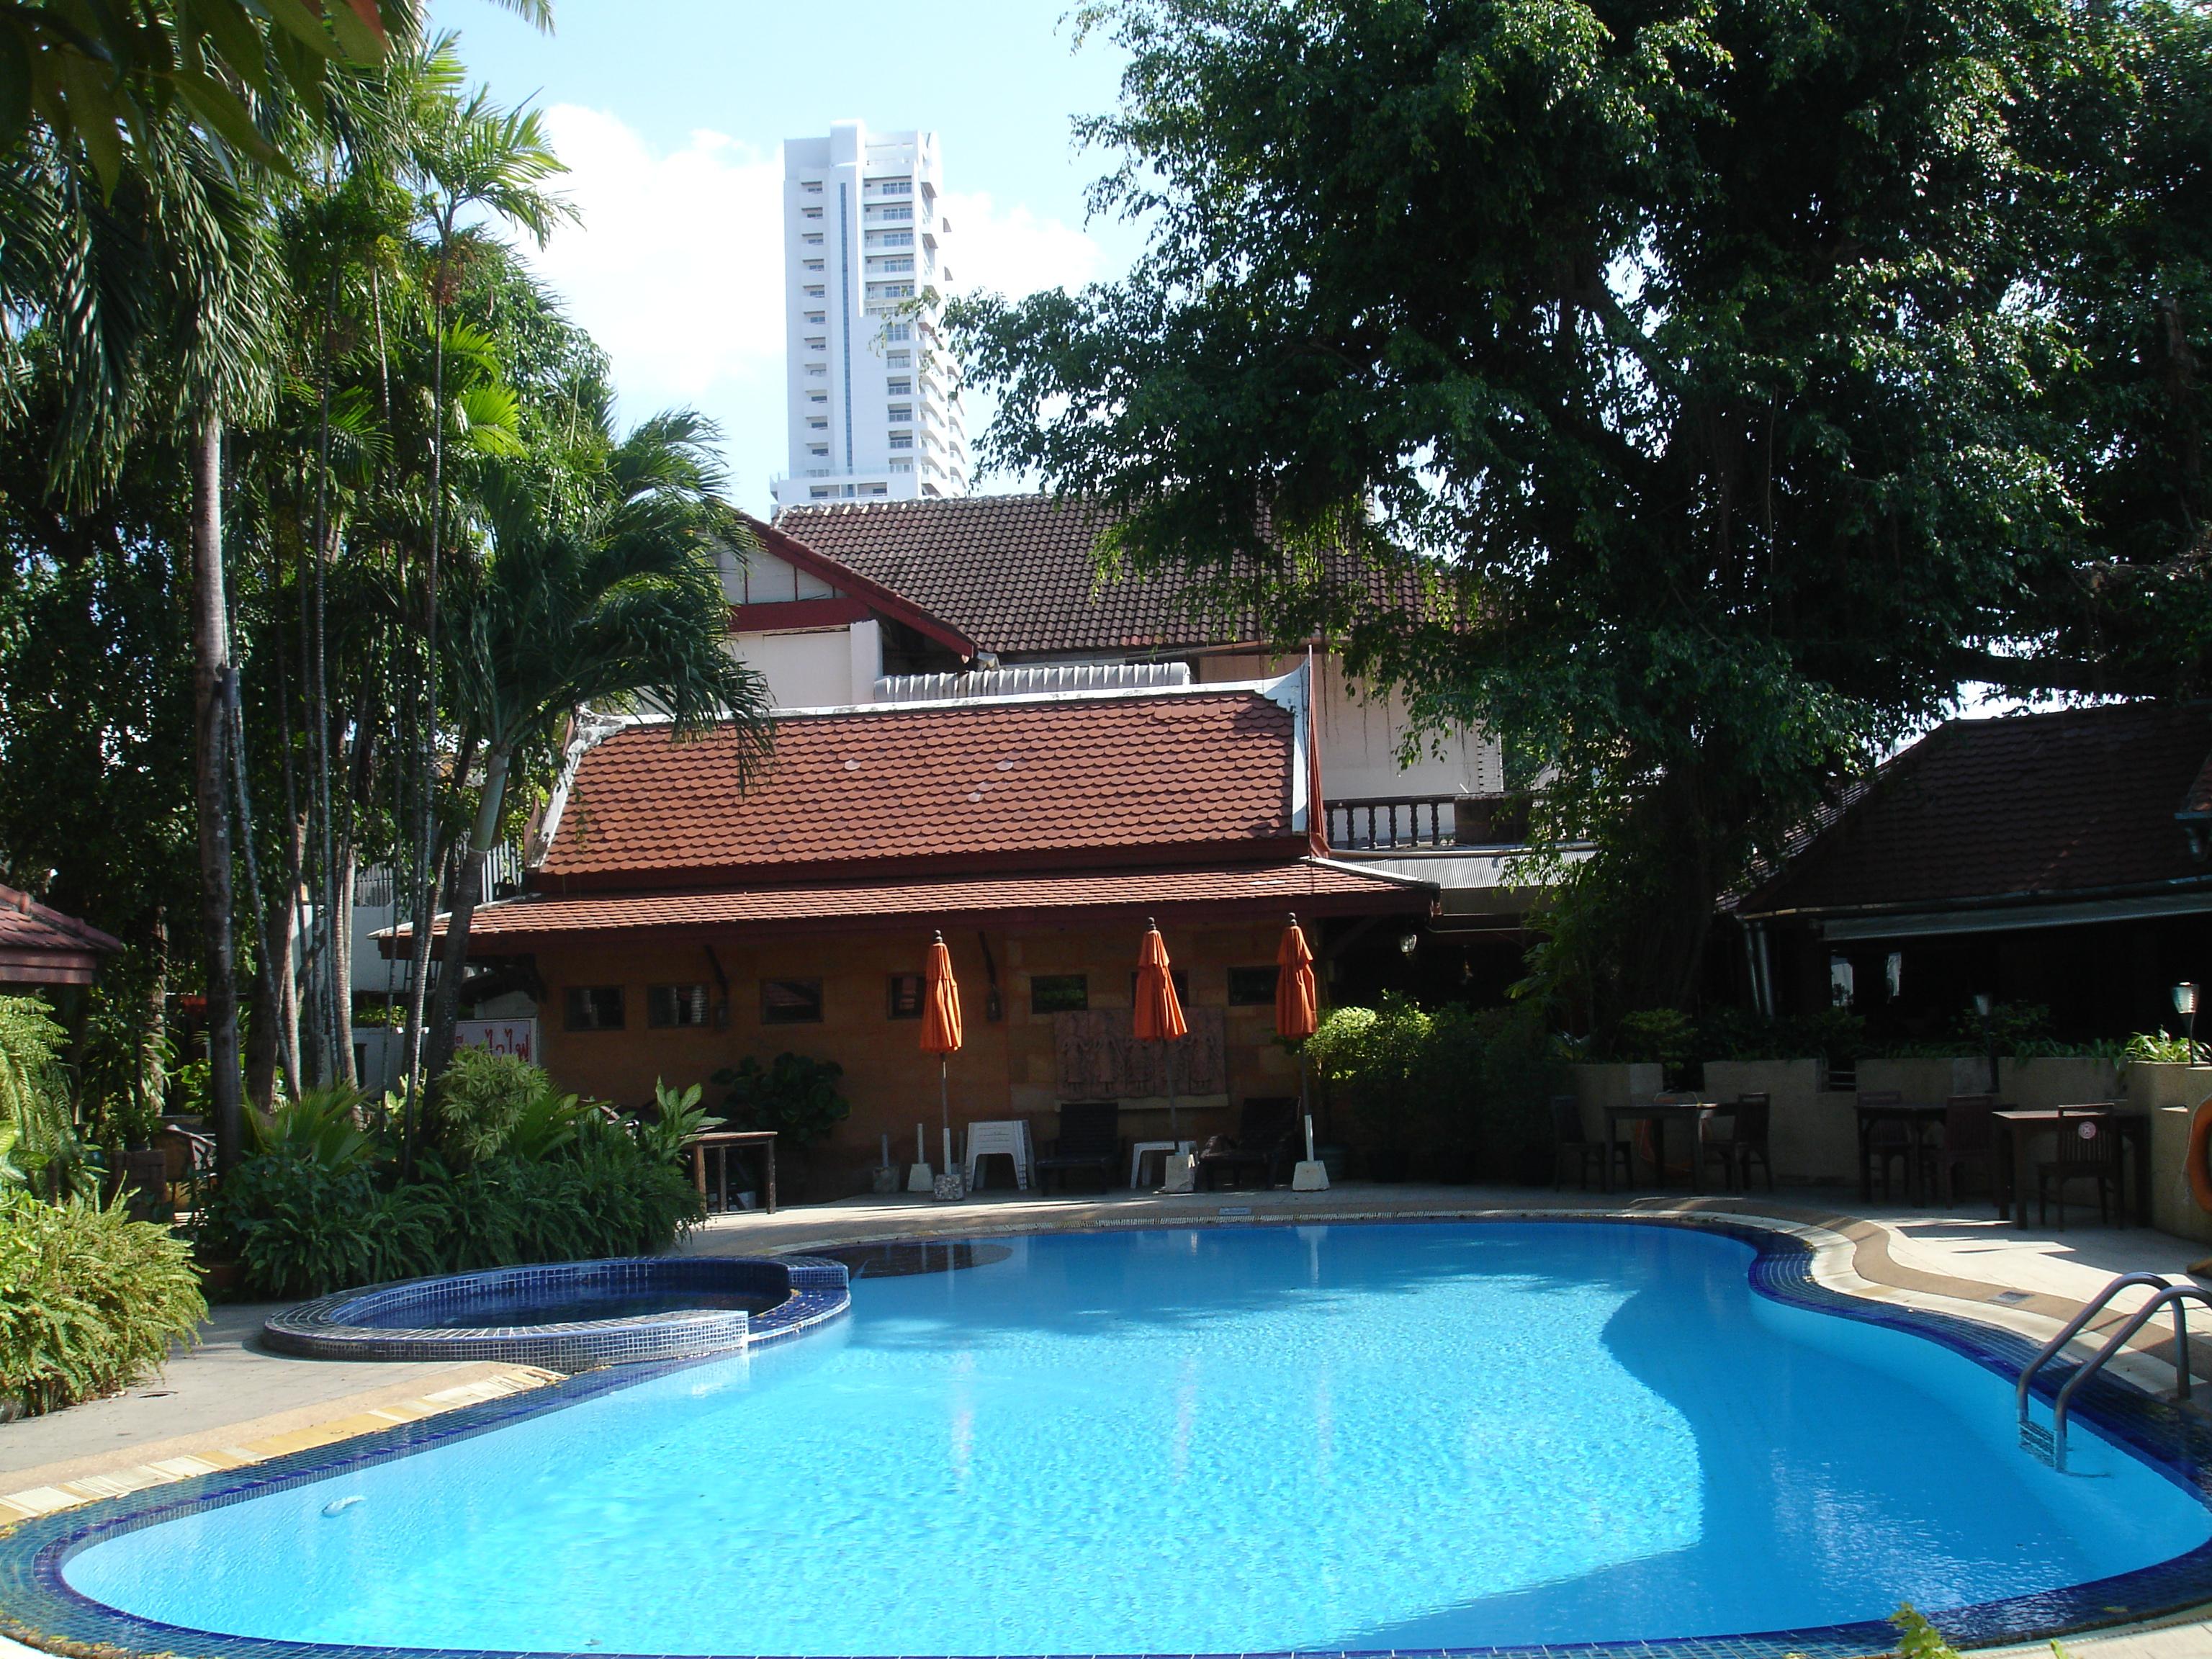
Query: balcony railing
point(1408, 824)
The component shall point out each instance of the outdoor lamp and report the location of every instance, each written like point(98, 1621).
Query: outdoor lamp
point(2184, 1003)
point(1408, 944)
point(1982, 1004)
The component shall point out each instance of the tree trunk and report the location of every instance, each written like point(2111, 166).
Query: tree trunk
point(272, 1035)
point(474, 877)
point(211, 692)
point(153, 1036)
point(339, 968)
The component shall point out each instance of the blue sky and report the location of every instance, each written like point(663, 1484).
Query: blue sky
point(670, 114)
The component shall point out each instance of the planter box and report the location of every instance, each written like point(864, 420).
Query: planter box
point(2170, 1093)
point(2058, 1081)
point(1928, 1081)
point(1813, 1135)
point(1612, 1083)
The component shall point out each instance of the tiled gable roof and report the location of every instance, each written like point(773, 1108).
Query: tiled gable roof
point(1308, 886)
point(39, 944)
point(963, 787)
point(1015, 574)
point(2029, 806)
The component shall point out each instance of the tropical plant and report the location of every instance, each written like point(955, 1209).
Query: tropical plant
point(679, 1119)
point(90, 1300)
point(794, 1094)
point(601, 588)
point(323, 1128)
point(35, 1097)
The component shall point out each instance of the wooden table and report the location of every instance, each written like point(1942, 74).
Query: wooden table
point(1692, 1115)
point(719, 1141)
point(2016, 1129)
point(1911, 1115)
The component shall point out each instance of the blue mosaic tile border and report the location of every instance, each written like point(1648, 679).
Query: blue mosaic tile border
point(38, 1608)
point(412, 1319)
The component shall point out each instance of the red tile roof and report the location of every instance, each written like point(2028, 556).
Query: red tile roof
point(1080, 780)
point(40, 945)
point(1014, 574)
point(852, 582)
point(2028, 807)
point(1211, 892)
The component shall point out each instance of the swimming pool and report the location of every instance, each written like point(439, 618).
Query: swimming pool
point(1247, 1440)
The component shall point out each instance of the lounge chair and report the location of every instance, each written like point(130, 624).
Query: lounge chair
point(1090, 1139)
point(1589, 1155)
point(1266, 1130)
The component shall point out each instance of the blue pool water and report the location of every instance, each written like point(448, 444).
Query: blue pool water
point(1205, 1441)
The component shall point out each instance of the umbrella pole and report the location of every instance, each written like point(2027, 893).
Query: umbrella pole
point(945, 1106)
point(1309, 1176)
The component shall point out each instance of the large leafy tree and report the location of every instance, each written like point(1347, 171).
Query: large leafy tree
point(1738, 377)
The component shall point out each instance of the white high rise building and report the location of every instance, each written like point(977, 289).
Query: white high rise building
point(874, 399)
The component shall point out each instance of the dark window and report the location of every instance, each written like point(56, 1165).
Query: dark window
point(1248, 986)
point(906, 996)
point(791, 1002)
point(1059, 993)
point(595, 1007)
point(1182, 978)
point(675, 1005)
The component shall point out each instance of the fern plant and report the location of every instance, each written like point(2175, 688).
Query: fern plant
point(90, 1300)
point(34, 1099)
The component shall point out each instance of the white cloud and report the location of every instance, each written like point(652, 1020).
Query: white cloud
point(1013, 252)
point(675, 268)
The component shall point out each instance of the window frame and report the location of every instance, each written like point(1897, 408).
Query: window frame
point(770, 1016)
point(571, 1004)
point(1274, 983)
point(696, 994)
point(1080, 1005)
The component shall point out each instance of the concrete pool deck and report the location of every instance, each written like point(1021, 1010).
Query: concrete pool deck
point(231, 1401)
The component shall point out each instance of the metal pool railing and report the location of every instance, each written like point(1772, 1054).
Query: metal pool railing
point(2164, 1295)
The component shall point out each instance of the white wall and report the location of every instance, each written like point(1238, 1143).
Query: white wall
point(1359, 739)
point(809, 670)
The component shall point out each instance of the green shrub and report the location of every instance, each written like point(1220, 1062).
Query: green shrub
point(90, 1300)
point(794, 1094)
point(2156, 1048)
point(1664, 1036)
point(300, 1228)
point(479, 1100)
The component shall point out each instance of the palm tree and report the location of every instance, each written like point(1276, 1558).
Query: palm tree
point(601, 588)
point(471, 156)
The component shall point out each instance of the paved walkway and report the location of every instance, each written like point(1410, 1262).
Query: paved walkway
point(230, 1400)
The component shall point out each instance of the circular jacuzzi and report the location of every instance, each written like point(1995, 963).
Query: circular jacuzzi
point(571, 1315)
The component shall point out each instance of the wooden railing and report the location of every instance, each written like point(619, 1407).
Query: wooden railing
point(1392, 823)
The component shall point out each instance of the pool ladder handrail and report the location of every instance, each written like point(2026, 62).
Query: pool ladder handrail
point(2165, 1294)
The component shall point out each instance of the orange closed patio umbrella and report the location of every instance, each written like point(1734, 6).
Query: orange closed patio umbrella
point(940, 1029)
point(1297, 1013)
point(1159, 1014)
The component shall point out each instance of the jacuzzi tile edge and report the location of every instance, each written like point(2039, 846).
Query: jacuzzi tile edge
point(39, 1609)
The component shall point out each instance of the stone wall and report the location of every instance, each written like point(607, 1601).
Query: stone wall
point(1813, 1133)
point(2171, 1095)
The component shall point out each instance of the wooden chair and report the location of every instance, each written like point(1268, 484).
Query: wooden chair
point(2088, 1149)
point(1969, 1141)
point(1090, 1139)
point(1570, 1143)
point(1746, 1140)
point(1262, 1145)
point(1886, 1143)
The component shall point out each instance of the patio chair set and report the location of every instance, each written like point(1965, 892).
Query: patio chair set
point(1732, 1155)
point(1939, 1148)
point(1091, 1145)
